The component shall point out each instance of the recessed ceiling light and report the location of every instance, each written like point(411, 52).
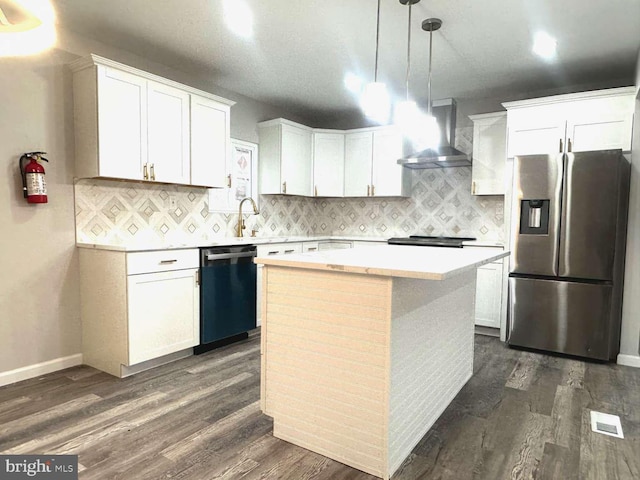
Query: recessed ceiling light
point(238, 17)
point(544, 45)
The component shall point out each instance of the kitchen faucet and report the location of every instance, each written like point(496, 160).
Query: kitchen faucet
point(241, 225)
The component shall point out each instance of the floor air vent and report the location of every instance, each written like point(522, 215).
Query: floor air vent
point(606, 424)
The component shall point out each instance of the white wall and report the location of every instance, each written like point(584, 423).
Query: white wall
point(39, 292)
point(39, 299)
point(630, 334)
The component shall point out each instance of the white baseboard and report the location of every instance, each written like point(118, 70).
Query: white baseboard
point(629, 360)
point(31, 371)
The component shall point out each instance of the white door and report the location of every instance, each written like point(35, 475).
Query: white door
point(168, 134)
point(387, 174)
point(296, 161)
point(358, 155)
point(489, 295)
point(328, 164)
point(536, 130)
point(122, 124)
point(210, 142)
point(489, 155)
point(164, 311)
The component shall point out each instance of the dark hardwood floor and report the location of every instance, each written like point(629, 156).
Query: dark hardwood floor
point(522, 416)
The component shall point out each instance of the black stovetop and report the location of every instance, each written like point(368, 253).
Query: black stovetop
point(425, 241)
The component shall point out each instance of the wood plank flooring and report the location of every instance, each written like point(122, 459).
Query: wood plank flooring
point(522, 416)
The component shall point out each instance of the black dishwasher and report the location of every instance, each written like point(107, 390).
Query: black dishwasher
point(227, 295)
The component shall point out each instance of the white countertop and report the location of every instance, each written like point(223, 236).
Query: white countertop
point(224, 241)
point(428, 263)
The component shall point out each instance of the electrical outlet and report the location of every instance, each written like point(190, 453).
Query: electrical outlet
point(172, 202)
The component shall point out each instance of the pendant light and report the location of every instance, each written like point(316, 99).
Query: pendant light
point(430, 129)
point(375, 101)
point(406, 113)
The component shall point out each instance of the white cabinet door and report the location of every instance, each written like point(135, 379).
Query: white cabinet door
point(168, 134)
point(163, 313)
point(489, 295)
point(600, 124)
point(489, 154)
point(386, 173)
point(122, 124)
point(296, 160)
point(358, 156)
point(328, 164)
point(210, 142)
point(530, 139)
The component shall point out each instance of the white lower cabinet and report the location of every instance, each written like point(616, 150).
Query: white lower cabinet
point(163, 309)
point(138, 307)
point(489, 295)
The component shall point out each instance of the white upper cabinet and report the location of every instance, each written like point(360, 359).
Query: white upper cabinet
point(358, 158)
point(168, 134)
point(133, 125)
point(328, 164)
point(387, 177)
point(285, 158)
point(489, 153)
point(210, 142)
point(598, 120)
point(122, 115)
point(352, 163)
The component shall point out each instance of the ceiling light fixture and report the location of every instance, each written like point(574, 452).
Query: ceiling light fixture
point(375, 102)
point(26, 27)
point(406, 113)
point(238, 17)
point(544, 45)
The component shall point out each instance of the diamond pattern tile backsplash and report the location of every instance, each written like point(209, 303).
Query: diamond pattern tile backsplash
point(114, 212)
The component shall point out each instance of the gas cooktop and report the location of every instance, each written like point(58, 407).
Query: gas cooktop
point(424, 241)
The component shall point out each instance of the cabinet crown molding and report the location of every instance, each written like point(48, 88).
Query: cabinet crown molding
point(571, 97)
point(95, 60)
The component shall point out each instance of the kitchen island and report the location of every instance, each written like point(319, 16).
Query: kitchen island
point(363, 349)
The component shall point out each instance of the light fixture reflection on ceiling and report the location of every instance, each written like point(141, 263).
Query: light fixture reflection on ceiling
point(238, 17)
point(27, 27)
point(544, 45)
point(353, 83)
point(375, 101)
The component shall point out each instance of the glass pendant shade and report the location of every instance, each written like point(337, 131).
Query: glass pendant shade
point(375, 102)
point(34, 31)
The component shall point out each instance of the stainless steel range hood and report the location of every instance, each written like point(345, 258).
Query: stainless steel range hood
point(445, 155)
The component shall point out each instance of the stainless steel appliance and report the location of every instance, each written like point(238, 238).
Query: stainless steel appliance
point(425, 241)
point(568, 230)
point(227, 295)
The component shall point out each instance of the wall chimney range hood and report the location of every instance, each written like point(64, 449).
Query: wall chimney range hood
point(445, 155)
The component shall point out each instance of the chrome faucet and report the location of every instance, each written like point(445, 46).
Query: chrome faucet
point(241, 225)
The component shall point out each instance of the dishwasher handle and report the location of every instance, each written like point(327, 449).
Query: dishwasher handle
point(226, 256)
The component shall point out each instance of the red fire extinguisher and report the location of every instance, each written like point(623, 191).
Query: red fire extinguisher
point(34, 186)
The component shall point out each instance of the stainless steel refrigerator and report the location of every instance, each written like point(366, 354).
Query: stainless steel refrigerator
point(568, 233)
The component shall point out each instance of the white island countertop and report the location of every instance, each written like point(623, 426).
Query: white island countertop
point(427, 263)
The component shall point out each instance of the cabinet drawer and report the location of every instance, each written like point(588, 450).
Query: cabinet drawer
point(162, 261)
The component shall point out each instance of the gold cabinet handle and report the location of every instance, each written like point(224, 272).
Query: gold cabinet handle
point(373, 190)
point(145, 171)
point(368, 190)
point(473, 188)
point(284, 187)
point(153, 171)
point(229, 180)
point(569, 147)
point(560, 145)
point(198, 277)
point(315, 190)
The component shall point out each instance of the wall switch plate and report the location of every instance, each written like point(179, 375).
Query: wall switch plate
point(172, 202)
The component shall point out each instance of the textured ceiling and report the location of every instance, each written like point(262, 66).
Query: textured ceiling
point(302, 49)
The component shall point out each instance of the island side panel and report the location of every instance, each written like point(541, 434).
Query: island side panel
point(432, 335)
point(325, 354)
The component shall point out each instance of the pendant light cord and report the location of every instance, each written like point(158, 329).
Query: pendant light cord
point(429, 81)
point(408, 51)
point(375, 74)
